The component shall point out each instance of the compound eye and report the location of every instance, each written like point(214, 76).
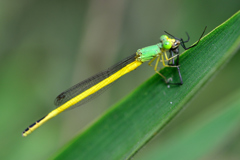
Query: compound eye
point(163, 38)
point(167, 45)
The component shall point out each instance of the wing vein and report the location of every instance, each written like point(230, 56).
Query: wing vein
point(88, 83)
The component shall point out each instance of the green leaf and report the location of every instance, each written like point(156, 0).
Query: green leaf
point(211, 131)
point(131, 123)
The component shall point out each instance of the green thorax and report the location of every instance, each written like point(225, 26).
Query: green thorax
point(148, 53)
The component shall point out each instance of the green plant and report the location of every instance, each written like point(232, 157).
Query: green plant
point(131, 123)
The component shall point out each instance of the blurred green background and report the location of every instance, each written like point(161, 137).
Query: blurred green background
point(48, 46)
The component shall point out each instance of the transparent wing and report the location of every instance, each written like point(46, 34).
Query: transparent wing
point(88, 83)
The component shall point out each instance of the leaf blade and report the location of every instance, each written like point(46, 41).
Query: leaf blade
point(127, 126)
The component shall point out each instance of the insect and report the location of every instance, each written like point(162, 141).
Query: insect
point(89, 88)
